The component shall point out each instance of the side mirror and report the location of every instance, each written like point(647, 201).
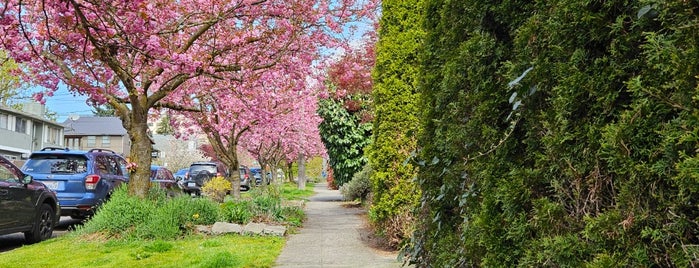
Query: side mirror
point(27, 179)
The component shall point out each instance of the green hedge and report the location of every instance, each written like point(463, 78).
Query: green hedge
point(396, 124)
point(593, 162)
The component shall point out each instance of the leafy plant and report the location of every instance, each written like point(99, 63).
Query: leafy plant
point(359, 187)
point(240, 212)
point(345, 138)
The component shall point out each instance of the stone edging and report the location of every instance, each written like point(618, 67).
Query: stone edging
point(252, 228)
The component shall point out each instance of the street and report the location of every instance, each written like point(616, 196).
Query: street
point(12, 241)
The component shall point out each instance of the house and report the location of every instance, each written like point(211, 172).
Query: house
point(22, 132)
point(88, 132)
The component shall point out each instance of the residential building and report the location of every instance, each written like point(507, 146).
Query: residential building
point(89, 132)
point(22, 132)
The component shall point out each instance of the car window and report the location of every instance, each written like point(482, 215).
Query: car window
point(161, 174)
point(6, 174)
point(198, 168)
point(121, 162)
point(167, 175)
point(56, 164)
point(108, 165)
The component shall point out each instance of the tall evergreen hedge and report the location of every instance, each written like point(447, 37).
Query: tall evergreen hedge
point(559, 133)
point(396, 123)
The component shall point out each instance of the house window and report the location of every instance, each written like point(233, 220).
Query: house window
point(53, 135)
point(91, 141)
point(21, 125)
point(3, 121)
point(106, 141)
point(73, 143)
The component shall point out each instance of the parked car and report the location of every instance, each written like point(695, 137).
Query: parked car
point(181, 174)
point(257, 174)
point(201, 172)
point(26, 205)
point(83, 180)
point(163, 177)
point(245, 176)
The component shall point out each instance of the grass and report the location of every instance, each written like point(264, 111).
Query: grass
point(192, 251)
point(290, 191)
point(89, 248)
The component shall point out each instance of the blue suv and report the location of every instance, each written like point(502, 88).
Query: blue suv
point(83, 180)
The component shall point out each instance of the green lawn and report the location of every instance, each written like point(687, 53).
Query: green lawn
point(194, 251)
point(73, 250)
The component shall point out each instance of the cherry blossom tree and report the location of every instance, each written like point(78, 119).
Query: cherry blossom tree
point(141, 55)
point(290, 136)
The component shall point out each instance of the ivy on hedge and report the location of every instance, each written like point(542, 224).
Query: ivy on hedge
point(344, 137)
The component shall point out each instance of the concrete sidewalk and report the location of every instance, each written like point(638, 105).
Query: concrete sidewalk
point(330, 237)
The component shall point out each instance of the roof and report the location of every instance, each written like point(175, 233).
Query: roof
point(94, 126)
point(5, 109)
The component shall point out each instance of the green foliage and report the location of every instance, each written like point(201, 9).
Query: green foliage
point(158, 217)
point(9, 83)
point(119, 214)
point(265, 205)
point(558, 133)
point(344, 137)
point(103, 110)
point(359, 187)
point(240, 212)
point(292, 215)
point(163, 126)
point(396, 108)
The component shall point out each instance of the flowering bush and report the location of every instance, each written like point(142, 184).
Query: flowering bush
point(217, 188)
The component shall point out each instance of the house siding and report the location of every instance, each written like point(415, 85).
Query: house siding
point(18, 145)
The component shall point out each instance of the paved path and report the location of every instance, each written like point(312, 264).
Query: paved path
point(330, 237)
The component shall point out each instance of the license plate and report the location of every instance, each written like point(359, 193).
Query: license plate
point(191, 184)
point(53, 185)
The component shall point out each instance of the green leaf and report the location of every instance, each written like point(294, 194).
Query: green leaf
point(512, 98)
point(644, 11)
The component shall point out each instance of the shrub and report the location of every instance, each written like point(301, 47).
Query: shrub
point(360, 185)
point(160, 217)
point(156, 217)
point(240, 212)
point(122, 212)
point(291, 215)
point(216, 188)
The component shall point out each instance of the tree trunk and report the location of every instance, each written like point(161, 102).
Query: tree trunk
point(136, 125)
point(234, 178)
point(289, 173)
point(302, 172)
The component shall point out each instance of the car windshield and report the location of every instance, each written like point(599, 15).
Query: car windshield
point(56, 164)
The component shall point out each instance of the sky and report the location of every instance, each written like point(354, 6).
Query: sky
point(64, 103)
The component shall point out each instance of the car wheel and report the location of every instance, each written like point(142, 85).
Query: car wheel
point(43, 228)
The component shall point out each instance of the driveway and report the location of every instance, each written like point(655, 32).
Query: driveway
point(12, 241)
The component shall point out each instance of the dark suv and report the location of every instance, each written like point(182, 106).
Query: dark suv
point(26, 205)
point(83, 180)
point(201, 172)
